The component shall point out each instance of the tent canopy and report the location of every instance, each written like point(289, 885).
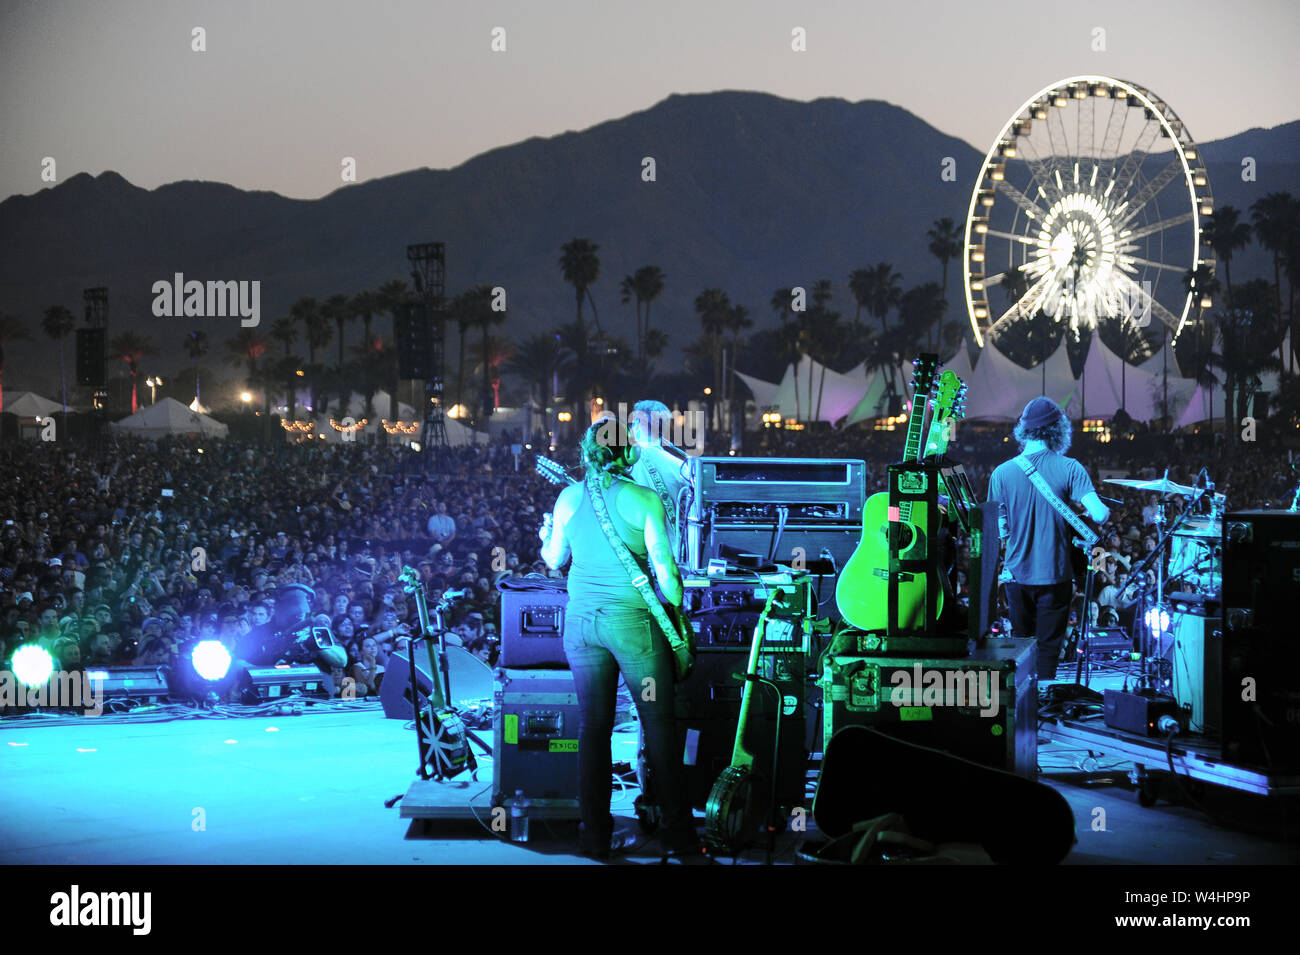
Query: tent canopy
point(169, 417)
point(28, 404)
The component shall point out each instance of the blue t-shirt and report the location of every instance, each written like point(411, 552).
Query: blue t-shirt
point(1038, 540)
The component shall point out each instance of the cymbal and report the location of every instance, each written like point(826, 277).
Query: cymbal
point(1162, 486)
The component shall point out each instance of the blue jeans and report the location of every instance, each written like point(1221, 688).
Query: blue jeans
point(600, 645)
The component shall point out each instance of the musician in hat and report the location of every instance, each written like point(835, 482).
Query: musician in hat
point(1036, 559)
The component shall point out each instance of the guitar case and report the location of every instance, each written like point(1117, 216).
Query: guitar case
point(945, 799)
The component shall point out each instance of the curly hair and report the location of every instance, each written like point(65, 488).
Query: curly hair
point(1057, 436)
point(603, 457)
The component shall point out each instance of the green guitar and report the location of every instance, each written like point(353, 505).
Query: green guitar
point(862, 591)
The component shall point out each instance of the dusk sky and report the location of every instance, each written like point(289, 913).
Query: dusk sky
point(286, 89)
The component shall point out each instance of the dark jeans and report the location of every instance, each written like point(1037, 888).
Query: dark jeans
point(600, 646)
point(1041, 611)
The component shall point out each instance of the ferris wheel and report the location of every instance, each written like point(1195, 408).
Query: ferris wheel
point(1089, 206)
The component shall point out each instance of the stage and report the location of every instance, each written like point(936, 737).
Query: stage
point(310, 790)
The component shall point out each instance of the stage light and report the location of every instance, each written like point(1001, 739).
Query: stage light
point(202, 672)
point(32, 665)
point(211, 659)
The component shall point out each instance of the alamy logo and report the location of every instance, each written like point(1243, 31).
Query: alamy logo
point(103, 908)
point(194, 299)
point(65, 689)
point(946, 687)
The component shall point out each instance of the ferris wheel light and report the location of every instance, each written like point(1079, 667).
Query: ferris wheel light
point(1189, 153)
point(1206, 301)
point(1121, 93)
point(998, 173)
point(1206, 208)
point(981, 227)
point(1101, 91)
point(977, 253)
point(986, 201)
point(981, 313)
point(1040, 112)
point(1200, 179)
point(1081, 92)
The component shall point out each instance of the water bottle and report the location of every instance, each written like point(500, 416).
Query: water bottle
point(519, 817)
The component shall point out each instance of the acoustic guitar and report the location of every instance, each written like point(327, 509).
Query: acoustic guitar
point(862, 591)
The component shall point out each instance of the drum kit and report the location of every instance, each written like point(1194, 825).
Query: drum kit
point(1195, 554)
point(1194, 571)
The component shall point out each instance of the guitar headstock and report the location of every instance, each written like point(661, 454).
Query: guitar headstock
point(923, 369)
point(949, 404)
point(552, 471)
point(410, 580)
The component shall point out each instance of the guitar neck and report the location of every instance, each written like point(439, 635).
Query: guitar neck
point(912, 448)
point(437, 694)
point(742, 758)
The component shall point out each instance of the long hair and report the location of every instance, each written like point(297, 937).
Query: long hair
point(1057, 436)
point(603, 454)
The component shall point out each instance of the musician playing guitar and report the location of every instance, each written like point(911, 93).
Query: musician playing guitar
point(608, 631)
point(1038, 538)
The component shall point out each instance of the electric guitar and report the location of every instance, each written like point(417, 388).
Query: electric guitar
point(949, 407)
point(682, 640)
point(862, 591)
point(444, 743)
point(738, 802)
point(554, 471)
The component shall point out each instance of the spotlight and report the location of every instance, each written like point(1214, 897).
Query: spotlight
point(211, 659)
point(202, 672)
point(32, 665)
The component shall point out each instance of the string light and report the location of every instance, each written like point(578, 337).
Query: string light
point(400, 427)
point(298, 427)
point(349, 428)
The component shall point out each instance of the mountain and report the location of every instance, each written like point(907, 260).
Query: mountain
point(751, 192)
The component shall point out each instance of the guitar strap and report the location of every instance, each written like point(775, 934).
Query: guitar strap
point(639, 579)
point(670, 506)
point(1086, 535)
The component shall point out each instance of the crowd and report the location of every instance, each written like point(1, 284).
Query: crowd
point(119, 553)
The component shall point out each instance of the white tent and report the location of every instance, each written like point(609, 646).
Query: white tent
point(169, 417)
point(835, 398)
point(1204, 404)
point(1138, 388)
point(28, 404)
point(999, 389)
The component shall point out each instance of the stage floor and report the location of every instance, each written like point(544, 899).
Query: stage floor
point(310, 790)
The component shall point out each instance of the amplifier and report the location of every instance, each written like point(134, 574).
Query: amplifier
point(1140, 713)
point(709, 709)
point(532, 628)
point(1261, 692)
point(535, 741)
point(982, 708)
point(1198, 670)
point(792, 495)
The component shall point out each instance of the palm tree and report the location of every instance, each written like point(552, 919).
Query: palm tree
point(285, 331)
point(581, 267)
point(338, 308)
point(247, 347)
point(364, 305)
point(539, 360)
point(860, 288)
point(477, 309)
point(713, 306)
point(884, 291)
point(1245, 339)
point(782, 303)
point(920, 309)
point(946, 240)
point(12, 329)
point(736, 321)
point(460, 311)
point(1274, 217)
point(57, 324)
point(1225, 234)
point(390, 297)
point(316, 327)
point(131, 347)
point(641, 287)
point(196, 346)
